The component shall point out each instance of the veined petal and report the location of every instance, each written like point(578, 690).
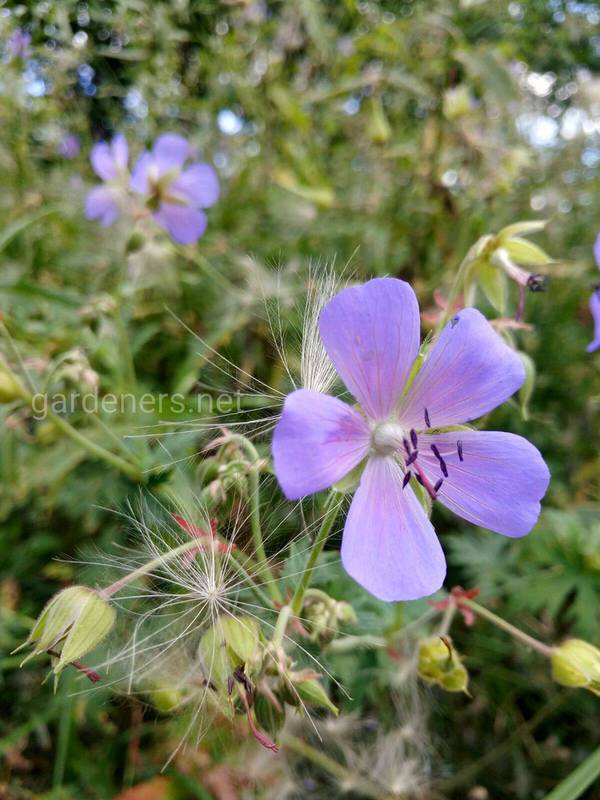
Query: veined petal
point(371, 334)
point(498, 484)
point(186, 225)
point(595, 310)
point(101, 204)
point(597, 250)
point(170, 151)
point(198, 185)
point(469, 371)
point(317, 441)
point(103, 161)
point(389, 545)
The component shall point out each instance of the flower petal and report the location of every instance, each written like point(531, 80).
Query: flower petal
point(597, 250)
point(371, 334)
point(120, 151)
point(389, 545)
point(170, 151)
point(103, 162)
point(186, 225)
point(139, 180)
point(317, 441)
point(468, 372)
point(498, 484)
point(198, 185)
point(101, 204)
point(595, 310)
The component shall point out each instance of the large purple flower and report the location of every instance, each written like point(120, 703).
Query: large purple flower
point(109, 161)
point(176, 195)
point(595, 304)
point(495, 480)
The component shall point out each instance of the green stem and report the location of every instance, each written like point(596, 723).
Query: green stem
point(126, 353)
point(516, 633)
point(255, 524)
point(109, 591)
point(281, 625)
point(126, 467)
point(341, 773)
point(64, 735)
point(454, 290)
point(331, 510)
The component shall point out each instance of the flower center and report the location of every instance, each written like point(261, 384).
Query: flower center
point(387, 437)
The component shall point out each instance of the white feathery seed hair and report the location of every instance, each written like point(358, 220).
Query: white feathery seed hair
point(166, 614)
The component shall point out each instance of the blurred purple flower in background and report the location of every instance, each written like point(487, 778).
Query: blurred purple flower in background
point(176, 195)
point(19, 44)
point(109, 161)
point(69, 146)
point(492, 479)
point(595, 304)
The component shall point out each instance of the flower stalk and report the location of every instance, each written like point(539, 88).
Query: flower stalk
point(331, 510)
point(516, 633)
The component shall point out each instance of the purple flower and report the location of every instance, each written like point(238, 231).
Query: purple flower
point(19, 44)
point(175, 195)
point(595, 304)
point(69, 146)
point(494, 480)
point(109, 162)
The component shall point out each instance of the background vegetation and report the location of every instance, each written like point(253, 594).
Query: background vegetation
point(384, 138)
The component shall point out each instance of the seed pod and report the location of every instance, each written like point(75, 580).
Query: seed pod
point(576, 663)
point(439, 663)
point(73, 622)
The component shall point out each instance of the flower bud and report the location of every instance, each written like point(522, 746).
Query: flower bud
point(72, 623)
point(232, 642)
point(576, 663)
point(10, 387)
point(440, 663)
point(312, 692)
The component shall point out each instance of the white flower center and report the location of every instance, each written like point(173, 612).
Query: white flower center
point(386, 438)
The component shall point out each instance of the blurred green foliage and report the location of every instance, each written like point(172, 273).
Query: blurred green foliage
point(385, 138)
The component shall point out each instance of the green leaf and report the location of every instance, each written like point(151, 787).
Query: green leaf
point(22, 223)
point(579, 780)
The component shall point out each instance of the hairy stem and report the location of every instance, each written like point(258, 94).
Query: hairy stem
point(331, 509)
point(516, 633)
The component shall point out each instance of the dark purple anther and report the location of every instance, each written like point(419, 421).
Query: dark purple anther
point(413, 438)
point(406, 446)
point(412, 458)
point(407, 478)
point(443, 466)
point(427, 420)
point(438, 485)
point(460, 450)
point(419, 478)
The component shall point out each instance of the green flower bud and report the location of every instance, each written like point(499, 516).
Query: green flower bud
point(232, 642)
point(10, 388)
point(457, 101)
point(72, 623)
point(311, 691)
point(165, 700)
point(439, 663)
point(576, 663)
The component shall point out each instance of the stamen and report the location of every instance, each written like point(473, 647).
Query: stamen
point(419, 478)
point(459, 450)
point(427, 420)
point(407, 478)
point(443, 466)
point(413, 438)
point(412, 458)
point(406, 446)
point(438, 485)
point(537, 282)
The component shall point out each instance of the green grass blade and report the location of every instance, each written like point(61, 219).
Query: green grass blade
point(579, 780)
